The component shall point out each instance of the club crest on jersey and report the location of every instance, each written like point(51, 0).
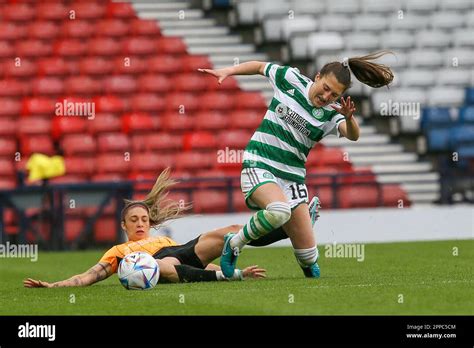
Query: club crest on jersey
point(281, 110)
point(317, 113)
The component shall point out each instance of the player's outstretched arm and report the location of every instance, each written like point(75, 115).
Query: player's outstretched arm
point(247, 68)
point(99, 272)
point(348, 129)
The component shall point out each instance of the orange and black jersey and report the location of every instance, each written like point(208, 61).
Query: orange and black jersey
point(151, 245)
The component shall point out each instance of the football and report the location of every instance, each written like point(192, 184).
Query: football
point(138, 271)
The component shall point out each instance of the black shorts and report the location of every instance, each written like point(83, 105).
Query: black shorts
point(184, 253)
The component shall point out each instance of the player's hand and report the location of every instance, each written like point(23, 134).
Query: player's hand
point(31, 283)
point(220, 74)
point(347, 108)
point(254, 272)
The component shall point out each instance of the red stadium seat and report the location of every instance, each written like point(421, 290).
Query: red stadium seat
point(332, 157)
point(150, 162)
point(53, 66)
point(34, 125)
point(73, 227)
point(211, 120)
point(359, 175)
point(36, 144)
point(130, 65)
point(250, 100)
point(7, 146)
point(47, 86)
point(326, 196)
point(108, 177)
point(78, 144)
point(110, 104)
point(63, 125)
point(234, 139)
point(83, 85)
point(12, 31)
point(39, 106)
point(217, 101)
point(192, 82)
point(8, 126)
point(191, 161)
point(7, 184)
point(70, 48)
point(154, 83)
point(89, 9)
point(144, 27)
point(171, 45)
point(18, 12)
point(163, 142)
point(13, 88)
point(199, 141)
point(109, 142)
point(323, 175)
point(175, 122)
point(77, 29)
point(238, 201)
point(358, 196)
point(148, 102)
point(104, 123)
point(43, 30)
point(140, 46)
point(95, 66)
point(230, 84)
point(52, 11)
point(21, 68)
point(82, 166)
point(182, 102)
point(395, 196)
point(120, 10)
point(68, 179)
point(210, 201)
point(112, 27)
point(104, 46)
point(7, 168)
point(6, 49)
point(105, 230)
point(112, 163)
point(163, 64)
point(191, 63)
point(136, 122)
point(10, 107)
point(246, 119)
point(120, 84)
point(213, 179)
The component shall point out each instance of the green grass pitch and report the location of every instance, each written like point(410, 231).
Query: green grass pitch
point(416, 278)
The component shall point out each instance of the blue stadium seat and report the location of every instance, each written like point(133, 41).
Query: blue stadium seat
point(435, 118)
point(466, 152)
point(438, 139)
point(466, 114)
point(461, 135)
point(470, 96)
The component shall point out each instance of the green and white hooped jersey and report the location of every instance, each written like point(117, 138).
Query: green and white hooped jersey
point(291, 126)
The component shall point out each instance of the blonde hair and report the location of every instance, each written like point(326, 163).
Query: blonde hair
point(159, 208)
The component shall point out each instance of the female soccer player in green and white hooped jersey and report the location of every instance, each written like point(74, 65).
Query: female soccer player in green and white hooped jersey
point(301, 113)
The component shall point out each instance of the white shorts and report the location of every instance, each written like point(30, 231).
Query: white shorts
point(252, 178)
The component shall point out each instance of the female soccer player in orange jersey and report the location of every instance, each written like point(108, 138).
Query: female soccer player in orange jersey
point(190, 262)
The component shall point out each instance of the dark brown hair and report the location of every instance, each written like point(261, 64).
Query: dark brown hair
point(159, 208)
point(370, 73)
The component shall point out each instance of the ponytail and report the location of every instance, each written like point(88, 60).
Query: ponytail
point(372, 74)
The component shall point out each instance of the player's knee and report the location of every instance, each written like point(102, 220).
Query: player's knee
point(278, 213)
point(307, 257)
